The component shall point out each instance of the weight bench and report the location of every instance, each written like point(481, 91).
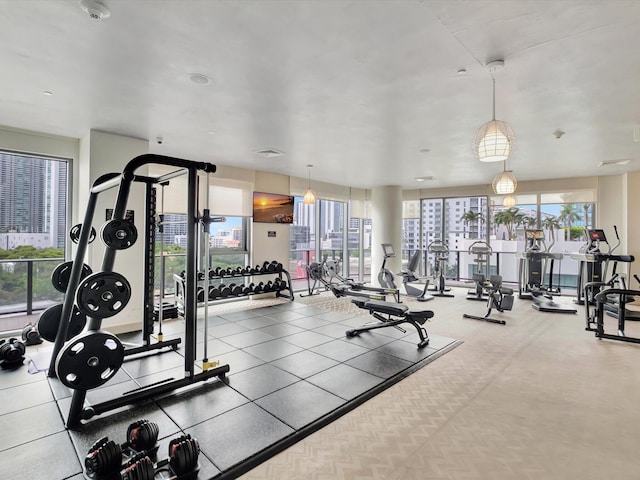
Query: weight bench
point(401, 313)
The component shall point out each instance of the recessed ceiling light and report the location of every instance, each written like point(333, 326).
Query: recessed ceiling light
point(47, 92)
point(462, 71)
point(269, 153)
point(623, 161)
point(199, 78)
point(211, 133)
point(428, 178)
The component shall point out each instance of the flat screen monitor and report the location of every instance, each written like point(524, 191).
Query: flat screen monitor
point(534, 234)
point(387, 248)
point(272, 208)
point(597, 235)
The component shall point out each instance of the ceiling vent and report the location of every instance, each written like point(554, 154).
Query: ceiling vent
point(607, 163)
point(269, 153)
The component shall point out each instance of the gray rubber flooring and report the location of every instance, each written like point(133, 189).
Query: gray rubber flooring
point(292, 370)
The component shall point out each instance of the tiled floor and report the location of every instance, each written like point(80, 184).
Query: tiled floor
point(290, 367)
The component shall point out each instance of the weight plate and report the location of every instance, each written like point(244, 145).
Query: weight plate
point(49, 321)
point(61, 274)
point(119, 234)
point(74, 233)
point(103, 294)
point(89, 360)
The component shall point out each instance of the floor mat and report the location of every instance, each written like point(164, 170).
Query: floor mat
point(292, 371)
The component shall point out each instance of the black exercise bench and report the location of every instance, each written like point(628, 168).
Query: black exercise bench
point(396, 314)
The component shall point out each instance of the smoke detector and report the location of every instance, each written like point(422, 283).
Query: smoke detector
point(96, 10)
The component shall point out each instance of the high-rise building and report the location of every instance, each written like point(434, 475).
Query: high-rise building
point(33, 196)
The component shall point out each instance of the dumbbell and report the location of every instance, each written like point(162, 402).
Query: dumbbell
point(235, 289)
point(12, 353)
point(200, 275)
point(138, 467)
point(225, 291)
point(214, 292)
point(200, 294)
point(248, 289)
point(105, 456)
point(183, 454)
point(268, 286)
point(276, 284)
point(259, 288)
point(212, 274)
point(273, 266)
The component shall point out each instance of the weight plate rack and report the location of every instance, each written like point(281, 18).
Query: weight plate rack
point(108, 292)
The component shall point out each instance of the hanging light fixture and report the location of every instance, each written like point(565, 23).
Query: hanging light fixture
point(509, 201)
point(309, 197)
point(504, 183)
point(494, 141)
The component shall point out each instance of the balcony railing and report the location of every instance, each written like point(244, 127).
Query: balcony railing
point(25, 285)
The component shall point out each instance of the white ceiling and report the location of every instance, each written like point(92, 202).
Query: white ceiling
point(357, 88)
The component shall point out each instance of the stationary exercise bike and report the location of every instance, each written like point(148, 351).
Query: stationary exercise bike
point(441, 251)
point(409, 279)
point(482, 251)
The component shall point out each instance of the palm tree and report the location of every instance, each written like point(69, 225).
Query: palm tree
point(551, 223)
point(569, 214)
point(474, 218)
point(509, 218)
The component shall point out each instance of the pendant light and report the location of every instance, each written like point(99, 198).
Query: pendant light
point(509, 201)
point(309, 197)
point(504, 183)
point(494, 141)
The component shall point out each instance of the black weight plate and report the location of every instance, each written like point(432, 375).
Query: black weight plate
point(62, 273)
point(89, 360)
point(74, 233)
point(119, 234)
point(103, 294)
point(49, 321)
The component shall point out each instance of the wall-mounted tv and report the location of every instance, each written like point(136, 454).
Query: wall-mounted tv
point(272, 208)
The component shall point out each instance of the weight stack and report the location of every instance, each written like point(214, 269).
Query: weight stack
point(169, 310)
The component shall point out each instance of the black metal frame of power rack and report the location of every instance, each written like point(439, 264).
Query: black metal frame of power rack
point(77, 410)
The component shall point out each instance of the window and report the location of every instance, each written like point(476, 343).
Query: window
point(33, 229)
point(303, 239)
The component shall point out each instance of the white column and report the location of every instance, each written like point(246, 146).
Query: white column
point(386, 227)
point(101, 153)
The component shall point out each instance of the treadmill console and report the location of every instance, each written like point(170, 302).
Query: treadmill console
point(597, 235)
point(534, 234)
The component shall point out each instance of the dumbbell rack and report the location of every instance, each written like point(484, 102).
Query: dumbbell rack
point(216, 280)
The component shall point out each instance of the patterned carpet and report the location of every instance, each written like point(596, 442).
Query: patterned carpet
point(538, 398)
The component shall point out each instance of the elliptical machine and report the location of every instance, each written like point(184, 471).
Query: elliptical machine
point(441, 251)
point(386, 278)
point(535, 262)
point(482, 251)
